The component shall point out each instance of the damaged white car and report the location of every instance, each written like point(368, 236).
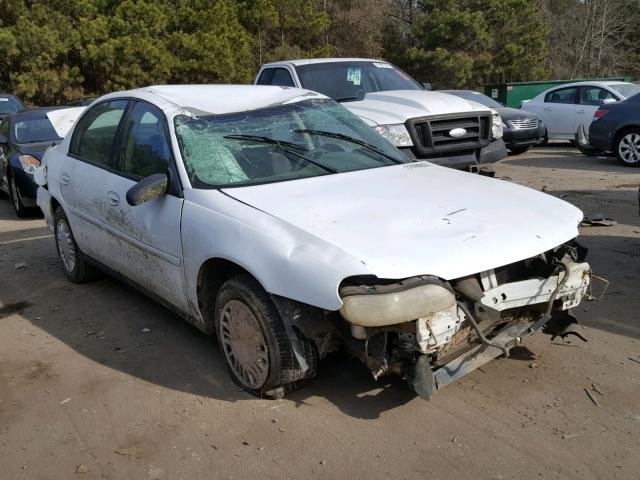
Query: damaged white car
point(279, 221)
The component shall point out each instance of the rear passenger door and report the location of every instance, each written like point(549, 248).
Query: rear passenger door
point(591, 97)
point(559, 111)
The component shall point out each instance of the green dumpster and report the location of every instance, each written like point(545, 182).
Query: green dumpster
point(512, 94)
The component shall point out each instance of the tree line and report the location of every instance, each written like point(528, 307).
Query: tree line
point(54, 51)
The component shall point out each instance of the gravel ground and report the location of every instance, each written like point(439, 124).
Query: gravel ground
point(86, 391)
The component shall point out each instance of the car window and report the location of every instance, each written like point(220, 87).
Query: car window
point(626, 89)
point(4, 128)
point(145, 148)
point(94, 136)
point(266, 76)
point(9, 105)
point(282, 78)
point(562, 95)
point(34, 130)
point(594, 95)
point(279, 143)
point(351, 81)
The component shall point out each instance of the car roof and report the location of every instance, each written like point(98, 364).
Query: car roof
point(37, 112)
point(311, 61)
point(597, 83)
point(216, 99)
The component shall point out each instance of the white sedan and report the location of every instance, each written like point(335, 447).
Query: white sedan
point(280, 222)
point(566, 108)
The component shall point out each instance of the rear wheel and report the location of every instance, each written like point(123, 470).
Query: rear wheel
point(16, 200)
point(254, 340)
point(73, 263)
point(627, 148)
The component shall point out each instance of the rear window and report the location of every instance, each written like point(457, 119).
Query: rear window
point(626, 89)
point(9, 105)
point(33, 130)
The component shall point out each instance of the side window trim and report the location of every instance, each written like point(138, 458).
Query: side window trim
point(576, 98)
point(72, 142)
point(175, 184)
point(267, 72)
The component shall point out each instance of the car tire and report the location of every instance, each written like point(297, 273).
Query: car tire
point(254, 341)
point(72, 260)
point(627, 148)
point(518, 150)
point(16, 201)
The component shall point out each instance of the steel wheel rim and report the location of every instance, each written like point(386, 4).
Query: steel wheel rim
point(66, 247)
point(629, 148)
point(15, 194)
point(244, 344)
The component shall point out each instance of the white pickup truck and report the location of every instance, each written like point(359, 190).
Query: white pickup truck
point(425, 125)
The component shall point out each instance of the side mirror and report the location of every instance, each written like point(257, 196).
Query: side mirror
point(607, 101)
point(427, 86)
point(147, 189)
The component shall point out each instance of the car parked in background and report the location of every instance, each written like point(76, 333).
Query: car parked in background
point(9, 104)
point(521, 129)
point(425, 125)
point(24, 137)
point(616, 129)
point(569, 107)
point(281, 222)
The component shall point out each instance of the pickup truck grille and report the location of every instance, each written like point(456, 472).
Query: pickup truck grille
point(432, 135)
point(523, 124)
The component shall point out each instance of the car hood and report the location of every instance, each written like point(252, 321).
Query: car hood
point(398, 106)
point(514, 114)
point(420, 218)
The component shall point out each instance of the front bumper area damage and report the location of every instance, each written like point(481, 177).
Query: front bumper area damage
point(433, 332)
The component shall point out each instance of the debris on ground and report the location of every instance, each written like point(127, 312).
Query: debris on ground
point(597, 389)
point(567, 436)
point(20, 266)
point(81, 468)
point(590, 395)
point(634, 360)
point(145, 330)
point(66, 400)
point(598, 220)
point(130, 451)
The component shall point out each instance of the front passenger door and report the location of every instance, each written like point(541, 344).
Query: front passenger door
point(149, 240)
point(558, 112)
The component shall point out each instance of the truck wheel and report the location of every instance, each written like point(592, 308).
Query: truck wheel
point(76, 269)
point(627, 148)
point(16, 201)
point(253, 338)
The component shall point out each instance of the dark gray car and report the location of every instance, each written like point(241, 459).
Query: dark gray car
point(521, 129)
point(616, 129)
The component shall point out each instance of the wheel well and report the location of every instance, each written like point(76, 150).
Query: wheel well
point(621, 132)
point(212, 275)
point(54, 205)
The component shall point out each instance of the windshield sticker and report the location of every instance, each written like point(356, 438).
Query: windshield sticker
point(382, 65)
point(354, 75)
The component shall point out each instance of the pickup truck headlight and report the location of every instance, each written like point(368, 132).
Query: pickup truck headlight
point(29, 163)
point(396, 134)
point(496, 124)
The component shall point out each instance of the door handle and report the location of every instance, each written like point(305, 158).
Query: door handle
point(113, 198)
point(548, 109)
point(64, 179)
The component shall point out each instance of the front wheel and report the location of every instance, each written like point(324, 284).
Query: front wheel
point(627, 148)
point(75, 267)
point(518, 150)
point(254, 340)
point(16, 199)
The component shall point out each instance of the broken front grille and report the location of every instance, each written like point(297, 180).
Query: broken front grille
point(449, 133)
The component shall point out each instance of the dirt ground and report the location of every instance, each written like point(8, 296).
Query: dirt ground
point(99, 382)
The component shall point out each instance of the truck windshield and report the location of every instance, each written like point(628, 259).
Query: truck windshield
point(279, 143)
point(351, 81)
